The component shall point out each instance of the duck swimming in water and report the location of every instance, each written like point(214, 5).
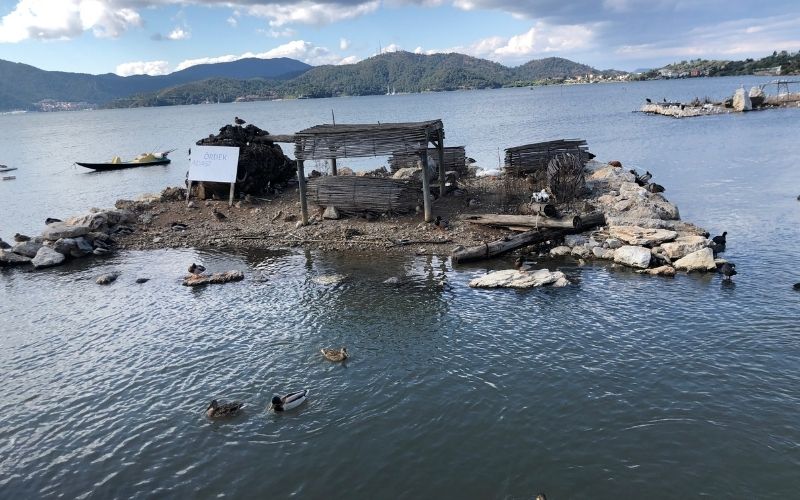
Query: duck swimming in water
point(728, 270)
point(720, 240)
point(223, 410)
point(335, 355)
point(289, 401)
point(196, 268)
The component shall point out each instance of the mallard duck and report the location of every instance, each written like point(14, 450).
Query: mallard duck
point(196, 268)
point(219, 215)
point(289, 401)
point(335, 354)
point(217, 410)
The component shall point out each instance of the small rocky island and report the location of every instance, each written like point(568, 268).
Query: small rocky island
point(741, 101)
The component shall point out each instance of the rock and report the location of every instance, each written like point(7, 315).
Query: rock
point(633, 256)
point(561, 282)
point(101, 251)
point(65, 246)
point(603, 253)
point(298, 224)
point(84, 247)
point(191, 204)
point(290, 218)
point(216, 278)
point(701, 260)
point(330, 213)
point(741, 101)
point(142, 280)
point(612, 175)
point(572, 240)
point(641, 236)
point(47, 257)
point(658, 271)
point(12, 259)
point(102, 220)
point(581, 251)
point(408, 173)
point(560, 251)
point(329, 279)
point(107, 278)
point(756, 91)
point(27, 248)
point(4, 245)
point(615, 163)
point(613, 243)
point(394, 280)
point(511, 278)
point(683, 246)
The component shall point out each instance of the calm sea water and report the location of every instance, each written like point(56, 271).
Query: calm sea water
point(618, 386)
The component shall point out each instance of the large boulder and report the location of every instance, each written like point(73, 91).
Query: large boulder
point(27, 248)
point(511, 278)
point(741, 101)
point(683, 246)
point(59, 230)
point(47, 257)
point(8, 258)
point(633, 256)
point(101, 220)
point(65, 246)
point(83, 247)
point(641, 236)
point(701, 260)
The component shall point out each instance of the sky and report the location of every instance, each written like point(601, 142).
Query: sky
point(161, 36)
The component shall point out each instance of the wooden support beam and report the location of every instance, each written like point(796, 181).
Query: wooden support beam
point(426, 188)
point(442, 181)
point(301, 183)
point(333, 167)
point(576, 222)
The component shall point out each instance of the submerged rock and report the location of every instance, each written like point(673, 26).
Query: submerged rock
point(216, 278)
point(511, 278)
point(329, 279)
point(107, 278)
point(659, 271)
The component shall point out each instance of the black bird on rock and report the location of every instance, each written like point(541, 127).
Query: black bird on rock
point(19, 238)
point(238, 121)
point(51, 220)
point(648, 100)
point(720, 240)
point(441, 223)
point(728, 270)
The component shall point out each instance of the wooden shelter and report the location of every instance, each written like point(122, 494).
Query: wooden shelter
point(455, 159)
point(532, 157)
point(323, 142)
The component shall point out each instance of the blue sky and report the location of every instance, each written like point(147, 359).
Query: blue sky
point(161, 36)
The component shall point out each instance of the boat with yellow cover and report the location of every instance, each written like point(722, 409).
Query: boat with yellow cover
point(143, 160)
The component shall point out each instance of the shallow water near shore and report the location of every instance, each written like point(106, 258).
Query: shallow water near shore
point(618, 386)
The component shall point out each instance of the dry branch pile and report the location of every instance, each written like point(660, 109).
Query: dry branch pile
point(353, 195)
point(262, 164)
point(565, 177)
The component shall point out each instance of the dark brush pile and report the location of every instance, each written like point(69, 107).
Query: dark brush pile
point(262, 165)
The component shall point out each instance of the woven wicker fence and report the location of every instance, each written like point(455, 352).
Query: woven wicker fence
point(352, 195)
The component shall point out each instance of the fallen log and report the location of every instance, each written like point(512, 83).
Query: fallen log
point(495, 248)
point(536, 221)
point(499, 247)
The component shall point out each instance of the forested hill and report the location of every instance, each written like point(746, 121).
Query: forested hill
point(22, 86)
point(394, 72)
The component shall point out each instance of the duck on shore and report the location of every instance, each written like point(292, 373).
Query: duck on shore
point(720, 240)
point(238, 121)
point(223, 410)
point(196, 268)
point(335, 355)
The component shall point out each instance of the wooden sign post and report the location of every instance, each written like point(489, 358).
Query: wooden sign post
point(213, 164)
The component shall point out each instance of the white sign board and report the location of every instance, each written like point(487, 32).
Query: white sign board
point(213, 164)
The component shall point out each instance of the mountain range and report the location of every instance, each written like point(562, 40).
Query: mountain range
point(23, 86)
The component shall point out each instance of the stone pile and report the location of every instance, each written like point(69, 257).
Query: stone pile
point(90, 234)
point(644, 229)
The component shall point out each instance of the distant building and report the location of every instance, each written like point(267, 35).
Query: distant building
point(774, 71)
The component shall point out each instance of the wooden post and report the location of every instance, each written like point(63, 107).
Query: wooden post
point(301, 183)
point(442, 180)
point(426, 189)
point(333, 166)
point(188, 191)
point(230, 197)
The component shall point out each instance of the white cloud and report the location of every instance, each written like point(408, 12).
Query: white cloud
point(344, 44)
point(179, 34)
point(308, 12)
point(233, 22)
point(64, 19)
point(392, 47)
point(272, 33)
point(296, 49)
point(143, 68)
